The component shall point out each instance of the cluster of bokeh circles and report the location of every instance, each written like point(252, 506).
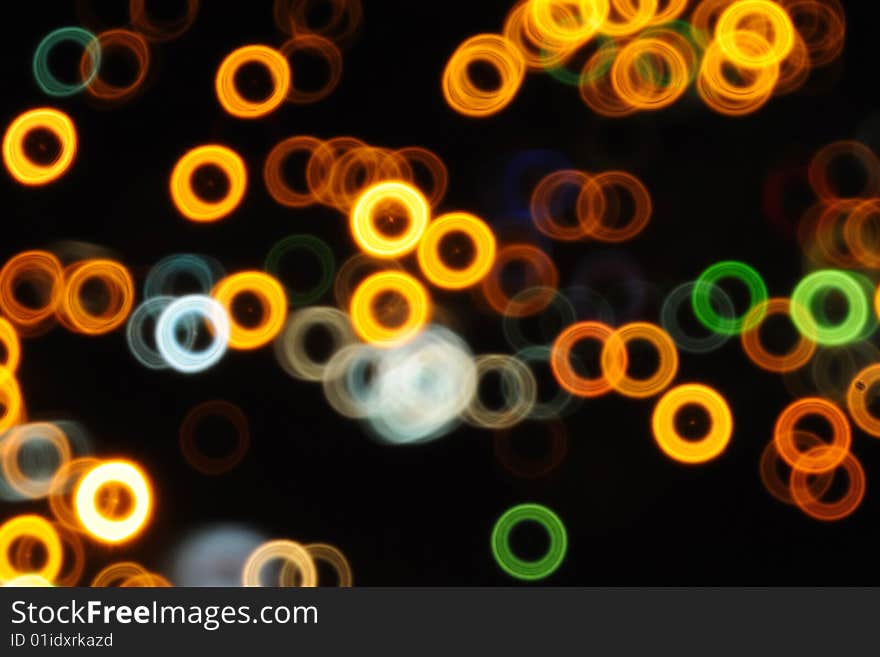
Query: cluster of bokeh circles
point(397, 363)
point(628, 56)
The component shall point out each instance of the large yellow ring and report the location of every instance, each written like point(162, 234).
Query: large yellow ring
point(363, 216)
point(185, 198)
point(272, 299)
point(433, 267)
point(692, 451)
point(363, 317)
point(36, 527)
point(16, 159)
point(95, 522)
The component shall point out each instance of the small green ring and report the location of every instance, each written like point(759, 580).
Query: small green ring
point(702, 294)
point(313, 245)
point(512, 564)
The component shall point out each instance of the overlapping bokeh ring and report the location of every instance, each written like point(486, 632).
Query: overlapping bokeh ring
point(542, 274)
point(166, 30)
point(615, 360)
point(798, 356)
point(326, 50)
point(75, 311)
point(231, 99)
point(679, 299)
point(46, 79)
point(117, 39)
point(518, 388)
point(178, 316)
point(290, 345)
point(468, 98)
point(813, 461)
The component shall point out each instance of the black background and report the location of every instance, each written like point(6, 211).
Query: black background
point(422, 515)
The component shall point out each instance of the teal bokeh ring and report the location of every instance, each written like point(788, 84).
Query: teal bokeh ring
point(571, 78)
point(43, 75)
point(702, 297)
point(520, 568)
point(819, 329)
point(313, 245)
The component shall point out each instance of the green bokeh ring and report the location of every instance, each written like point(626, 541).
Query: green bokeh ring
point(315, 246)
point(850, 329)
point(701, 298)
point(519, 568)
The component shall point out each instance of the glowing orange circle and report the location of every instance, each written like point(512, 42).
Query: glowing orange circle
point(15, 157)
point(674, 445)
point(615, 360)
point(95, 522)
point(35, 527)
point(469, 99)
point(806, 499)
point(814, 461)
point(797, 357)
point(184, 196)
point(224, 84)
point(437, 271)
point(120, 285)
point(372, 201)
point(560, 359)
point(363, 316)
point(273, 301)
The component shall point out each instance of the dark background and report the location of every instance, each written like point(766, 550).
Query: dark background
point(422, 515)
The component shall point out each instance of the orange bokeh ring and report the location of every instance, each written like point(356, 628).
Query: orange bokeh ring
point(796, 357)
point(546, 278)
point(363, 316)
point(15, 157)
point(686, 451)
point(593, 222)
point(38, 528)
point(184, 196)
point(39, 264)
point(328, 51)
point(273, 171)
point(560, 359)
point(857, 403)
point(786, 425)
point(119, 284)
point(363, 215)
point(809, 503)
point(431, 263)
point(634, 89)
point(224, 83)
point(134, 43)
point(12, 346)
point(467, 98)
point(615, 360)
point(272, 298)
